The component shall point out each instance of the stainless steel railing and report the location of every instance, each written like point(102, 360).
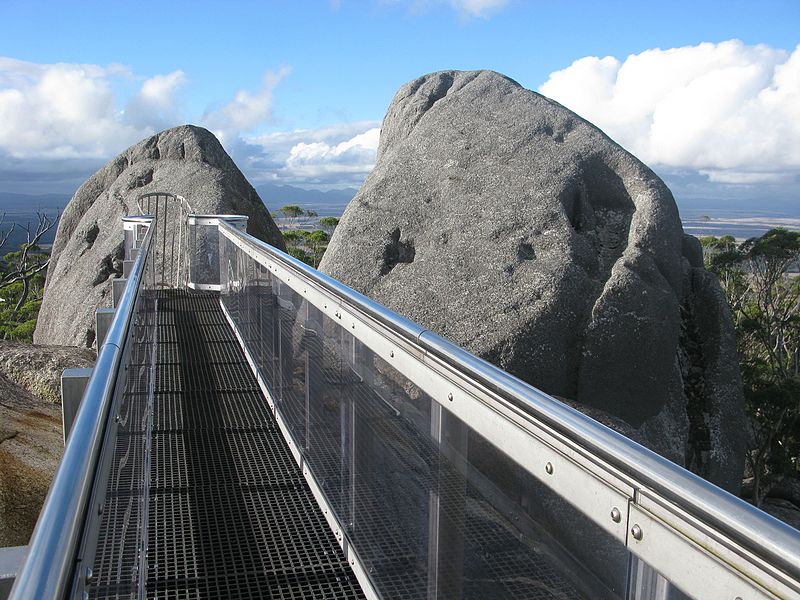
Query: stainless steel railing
point(362, 393)
point(49, 566)
point(677, 532)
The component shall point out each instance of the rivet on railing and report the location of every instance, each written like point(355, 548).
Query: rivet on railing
point(391, 354)
point(450, 396)
point(637, 533)
point(616, 516)
point(549, 468)
point(89, 576)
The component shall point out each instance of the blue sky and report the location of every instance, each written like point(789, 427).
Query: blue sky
point(708, 93)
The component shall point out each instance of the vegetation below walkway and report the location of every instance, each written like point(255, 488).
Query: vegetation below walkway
point(764, 297)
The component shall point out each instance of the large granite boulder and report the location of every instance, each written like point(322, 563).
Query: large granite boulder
point(506, 223)
point(31, 445)
point(87, 253)
point(31, 438)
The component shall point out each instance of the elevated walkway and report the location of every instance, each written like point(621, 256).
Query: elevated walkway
point(253, 428)
point(225, 511)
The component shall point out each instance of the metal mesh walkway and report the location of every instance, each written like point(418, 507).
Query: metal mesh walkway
point(203, 498)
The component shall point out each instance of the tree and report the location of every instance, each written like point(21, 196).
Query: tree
point(317, 241)
point(294, 216)
point(328, 224)
point(22, 275)
point(765, 305)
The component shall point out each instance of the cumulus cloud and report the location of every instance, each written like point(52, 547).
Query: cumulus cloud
point(246, 111)
point(155, 104)
point(728, 110)
point(318, 159)
point(339, 155)
point(71, 111)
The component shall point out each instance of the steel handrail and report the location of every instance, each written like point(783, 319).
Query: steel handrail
point(763, 535)
point(50, 561)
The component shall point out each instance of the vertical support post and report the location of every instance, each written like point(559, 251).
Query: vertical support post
point(312, 341)
point(447, 505)
point(117, 289)
point(127, 267)
point(73, 384)
point(285, 320)
point(11, 559)
point(102, 323)
point(645, 583)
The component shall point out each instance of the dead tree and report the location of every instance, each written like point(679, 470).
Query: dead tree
point(27, 262)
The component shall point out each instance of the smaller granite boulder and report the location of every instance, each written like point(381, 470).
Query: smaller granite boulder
point(88, 249)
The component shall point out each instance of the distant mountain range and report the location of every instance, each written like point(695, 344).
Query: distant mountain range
point(26, 203)
point(330, 203)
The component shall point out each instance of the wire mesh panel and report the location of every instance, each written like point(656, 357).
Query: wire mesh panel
point(431, 508)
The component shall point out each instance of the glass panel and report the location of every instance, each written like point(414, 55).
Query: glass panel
point(432, 509)
point(204, 260)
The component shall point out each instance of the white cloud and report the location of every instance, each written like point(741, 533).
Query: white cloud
point(71, 111)
point(729, 110)
point(155, 104)
point(318, 159)
point(246, 110)
point(477, 8)
point(339, 155)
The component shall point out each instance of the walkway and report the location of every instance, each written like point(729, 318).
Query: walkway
point(225, 511)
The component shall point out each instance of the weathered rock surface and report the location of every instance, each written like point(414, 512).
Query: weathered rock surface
point(31, 441)
point(518, 230)
point(38, 368)
point(31, 445)
point(88, 250)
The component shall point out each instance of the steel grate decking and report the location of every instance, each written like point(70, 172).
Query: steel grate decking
point(201, 496)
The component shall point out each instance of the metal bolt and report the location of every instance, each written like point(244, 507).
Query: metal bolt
point(549, 468)
point(637, 533)
point(450, 396)
point(89, 575)
point(391, 354)
point(99, 509)
point(615, 515)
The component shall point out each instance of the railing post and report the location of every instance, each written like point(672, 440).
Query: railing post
point(117, 289)
point(447, 504)
point(102, 323)
point(313, 343)
point(645, 583)
point(73, 384)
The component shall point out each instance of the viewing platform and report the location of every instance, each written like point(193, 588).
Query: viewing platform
point(255, 429)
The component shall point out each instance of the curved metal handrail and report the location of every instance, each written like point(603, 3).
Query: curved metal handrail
point(49, 564)
point(758, 532)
